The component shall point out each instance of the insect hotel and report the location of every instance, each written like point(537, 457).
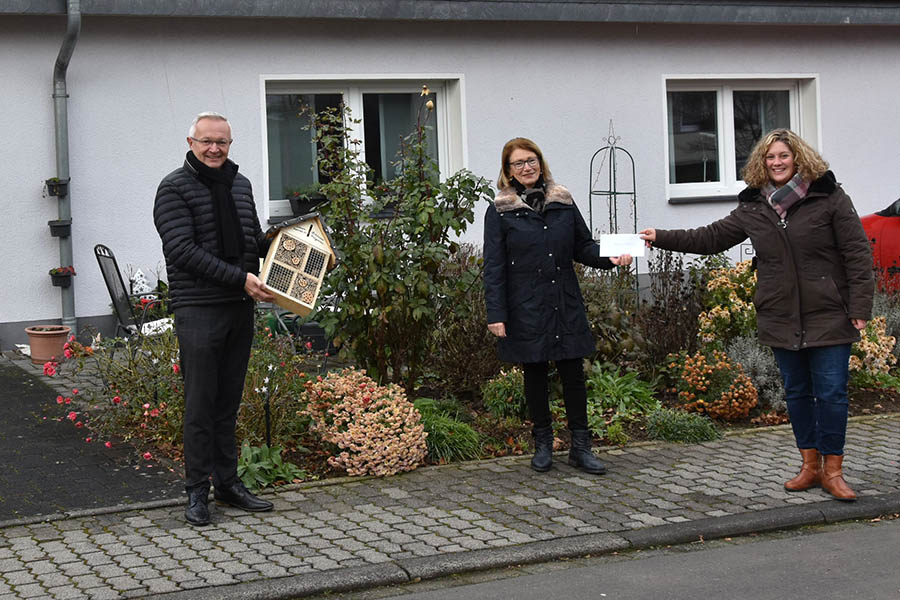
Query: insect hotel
point(296, 263)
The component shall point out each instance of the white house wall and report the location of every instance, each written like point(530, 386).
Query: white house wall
point(135, 84)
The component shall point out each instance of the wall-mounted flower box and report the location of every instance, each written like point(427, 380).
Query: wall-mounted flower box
point(57, 186)
point(62, 276)
point(60, 227)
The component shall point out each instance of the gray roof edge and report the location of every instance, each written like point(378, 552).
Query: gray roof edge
point(773, 12)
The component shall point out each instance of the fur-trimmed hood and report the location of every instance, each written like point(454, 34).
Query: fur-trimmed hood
point(508, 199)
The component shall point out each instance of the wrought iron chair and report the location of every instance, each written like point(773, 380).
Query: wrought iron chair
point(127, 322)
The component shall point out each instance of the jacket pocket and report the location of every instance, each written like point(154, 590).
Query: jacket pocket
point(770, 297)
point(524, 310)
point(821, 294)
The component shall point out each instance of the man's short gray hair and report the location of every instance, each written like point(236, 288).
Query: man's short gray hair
point(205, 115)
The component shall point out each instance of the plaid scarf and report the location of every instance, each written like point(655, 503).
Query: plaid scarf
point(781, 199)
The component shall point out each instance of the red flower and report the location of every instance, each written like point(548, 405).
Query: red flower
point(68, 400)
point(79, 424)
point(309, 345)
point(88, 440)
point(72, 416)
point(75, 391)
point(116, 399)
point(59, 399)
point(49, 369)
point(175, 368)
point(108, 444)
point(154, 412)
point(68, 353)
point(147, 456)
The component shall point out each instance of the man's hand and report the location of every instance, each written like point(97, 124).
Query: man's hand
point(498, 329)
point(860, 324)
point(257, 290)
point(622, 260)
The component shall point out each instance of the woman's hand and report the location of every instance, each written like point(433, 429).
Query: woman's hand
point(860, 324)
point(621, 260)
point(649, 236)
point(498, 329)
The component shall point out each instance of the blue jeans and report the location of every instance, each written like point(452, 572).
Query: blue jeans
point(815, 388)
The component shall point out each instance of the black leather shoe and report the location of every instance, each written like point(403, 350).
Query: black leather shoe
point(197, 512)
point(236, 495)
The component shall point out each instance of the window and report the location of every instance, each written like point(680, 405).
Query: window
point(712, 125)
point(388, 111)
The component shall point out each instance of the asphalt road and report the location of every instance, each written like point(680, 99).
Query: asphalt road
point(854, 560)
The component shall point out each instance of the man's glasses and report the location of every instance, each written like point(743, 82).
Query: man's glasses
point(207, 143)
point(520, 164)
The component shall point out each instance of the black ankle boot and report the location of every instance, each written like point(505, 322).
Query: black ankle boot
point(197, 512)
point(543, 448)
point(581, 456)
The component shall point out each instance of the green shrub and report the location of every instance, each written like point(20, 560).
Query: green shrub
point(276, 375)
point(261, 466)
point(389, 285)
point(679, 426)
point(614, 398)
point(142, 393)
point(464, 354)
point(610, 301)
point(504, 395)
point(448, 438)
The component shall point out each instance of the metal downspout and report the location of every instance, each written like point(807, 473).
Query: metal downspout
point(62, 151)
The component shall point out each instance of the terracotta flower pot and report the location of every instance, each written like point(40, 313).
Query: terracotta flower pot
point(47, 342)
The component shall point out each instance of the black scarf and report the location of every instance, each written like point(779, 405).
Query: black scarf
point(533, 197)
point(229, 234)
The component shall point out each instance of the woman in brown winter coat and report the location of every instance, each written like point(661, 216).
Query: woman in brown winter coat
point(532, 234)
point(814, 289)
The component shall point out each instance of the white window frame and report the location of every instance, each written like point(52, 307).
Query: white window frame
point(450, 122)
point(803, 102)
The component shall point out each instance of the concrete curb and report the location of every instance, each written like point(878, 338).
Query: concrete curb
point(431, 567)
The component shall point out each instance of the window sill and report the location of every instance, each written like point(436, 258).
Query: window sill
point(732, 198)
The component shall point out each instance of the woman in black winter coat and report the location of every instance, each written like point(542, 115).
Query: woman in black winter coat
point(813, 294)
point(532, 234)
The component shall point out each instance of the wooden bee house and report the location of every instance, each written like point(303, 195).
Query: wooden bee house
point(298, 257)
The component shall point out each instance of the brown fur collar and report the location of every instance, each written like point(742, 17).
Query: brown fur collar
point(508, 199)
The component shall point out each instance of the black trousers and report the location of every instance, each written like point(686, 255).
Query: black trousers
point(537, 392)
point(214, 344)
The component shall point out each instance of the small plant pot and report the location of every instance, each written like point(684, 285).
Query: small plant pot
point(63, 281)
point(306, 204)
point(47, 342)
point(60, 228)
point(57, 187)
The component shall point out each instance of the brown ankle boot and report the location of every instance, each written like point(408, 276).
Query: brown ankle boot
point(810, 475)
point(833, 479)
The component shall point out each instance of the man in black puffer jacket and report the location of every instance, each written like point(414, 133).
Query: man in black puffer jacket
point(212, 241)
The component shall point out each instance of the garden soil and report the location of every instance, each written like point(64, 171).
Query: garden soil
point(50, 467)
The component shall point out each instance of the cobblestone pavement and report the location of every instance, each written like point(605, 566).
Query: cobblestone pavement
point(345, 528)
point(349, 533)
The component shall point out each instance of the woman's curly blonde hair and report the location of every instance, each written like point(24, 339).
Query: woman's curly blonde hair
point(809, 163)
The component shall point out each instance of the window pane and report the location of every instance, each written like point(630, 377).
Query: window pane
point(755, 114)
point(693, 139)
point(388, 119)
point(292, 153)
